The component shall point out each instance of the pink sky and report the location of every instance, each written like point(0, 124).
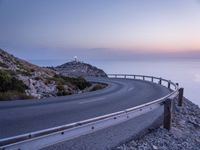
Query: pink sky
point(76, 27)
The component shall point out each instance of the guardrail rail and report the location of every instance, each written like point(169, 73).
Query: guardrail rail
point(44, 138)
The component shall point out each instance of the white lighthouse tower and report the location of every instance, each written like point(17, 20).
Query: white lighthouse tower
point(76, 59)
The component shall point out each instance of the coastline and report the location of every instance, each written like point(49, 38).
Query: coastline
point(185, 132)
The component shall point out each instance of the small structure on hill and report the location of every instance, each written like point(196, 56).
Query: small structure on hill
point(76, 59)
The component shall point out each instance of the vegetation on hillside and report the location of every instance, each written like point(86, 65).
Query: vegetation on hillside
point(10, 87)
point(62, 91)
point(78, 83)
point(98, 87)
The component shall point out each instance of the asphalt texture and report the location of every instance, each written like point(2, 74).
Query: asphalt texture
point(25, 116)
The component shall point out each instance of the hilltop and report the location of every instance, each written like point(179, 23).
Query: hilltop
point(21, 79)
point(77, 68)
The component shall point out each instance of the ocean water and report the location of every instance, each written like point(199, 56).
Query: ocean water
point(186, 72)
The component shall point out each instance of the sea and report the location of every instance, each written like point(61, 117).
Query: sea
point(186, 72)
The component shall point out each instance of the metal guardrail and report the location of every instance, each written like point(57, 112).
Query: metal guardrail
point(44, 138)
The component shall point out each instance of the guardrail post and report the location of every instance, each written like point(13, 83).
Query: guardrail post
point(167, 114)
point(151, 79)
point(134, 76)
point(160, 81)
point(168, 85)
point(125, 76)
point(180, 97)
point(143, 78)
point(115, 76)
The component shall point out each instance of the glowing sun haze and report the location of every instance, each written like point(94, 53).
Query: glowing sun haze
point(77, 27)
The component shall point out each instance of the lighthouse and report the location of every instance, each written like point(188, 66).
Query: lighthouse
point(76, 59)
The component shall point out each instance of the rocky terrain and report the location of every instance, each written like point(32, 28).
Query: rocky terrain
point(76, 69)
point(39, 82)
point(184, 135)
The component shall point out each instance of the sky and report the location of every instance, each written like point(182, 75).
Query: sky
point(100, 29)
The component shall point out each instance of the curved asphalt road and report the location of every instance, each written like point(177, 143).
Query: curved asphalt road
point(19, 117)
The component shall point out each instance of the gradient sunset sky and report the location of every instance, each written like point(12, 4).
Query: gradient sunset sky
point(100, 29)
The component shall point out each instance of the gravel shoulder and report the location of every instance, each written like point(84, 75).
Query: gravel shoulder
point(184, 135)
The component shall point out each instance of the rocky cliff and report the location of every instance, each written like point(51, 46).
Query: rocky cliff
point(40, 82)
point(184, 135)
point(76, 69)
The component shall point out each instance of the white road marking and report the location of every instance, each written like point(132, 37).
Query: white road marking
point(130, 88)
point(92, 100)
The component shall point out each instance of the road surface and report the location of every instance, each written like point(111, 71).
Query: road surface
point(20, 117)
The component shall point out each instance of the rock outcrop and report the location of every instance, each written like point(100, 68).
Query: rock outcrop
point(76, 69)
point(41, 82)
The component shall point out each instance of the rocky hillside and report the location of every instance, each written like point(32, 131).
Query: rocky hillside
point(184, 135)
point(36, 81)
point(76, 69)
